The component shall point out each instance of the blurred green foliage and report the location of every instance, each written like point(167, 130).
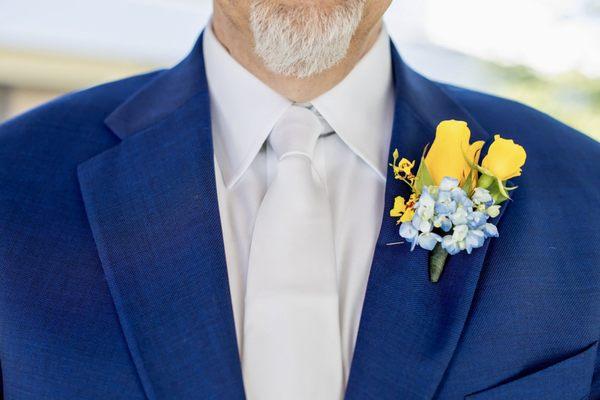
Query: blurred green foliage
point(571, 98)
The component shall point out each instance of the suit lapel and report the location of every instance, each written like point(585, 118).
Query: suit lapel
point(410, 327)
point(152, 205)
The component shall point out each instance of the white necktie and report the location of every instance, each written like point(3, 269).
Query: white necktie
point(291, 341)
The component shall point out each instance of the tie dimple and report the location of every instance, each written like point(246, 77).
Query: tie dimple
point(296, 132)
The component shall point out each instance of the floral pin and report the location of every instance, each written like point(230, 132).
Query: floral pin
point(453, 196)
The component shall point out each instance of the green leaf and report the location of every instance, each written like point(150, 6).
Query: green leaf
point(468, 185)
point(485, 181)
point(423, 176)
point(437, 262)
point(496, 189)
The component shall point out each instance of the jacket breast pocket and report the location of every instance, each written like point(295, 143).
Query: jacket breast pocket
point(569, 379)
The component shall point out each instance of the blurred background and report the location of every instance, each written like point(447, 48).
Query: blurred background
point(545, 53)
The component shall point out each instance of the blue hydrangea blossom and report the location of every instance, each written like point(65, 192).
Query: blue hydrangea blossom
point(448, 210)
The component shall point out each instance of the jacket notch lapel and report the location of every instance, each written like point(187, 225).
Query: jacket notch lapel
point(152, 206)
point(410, 327)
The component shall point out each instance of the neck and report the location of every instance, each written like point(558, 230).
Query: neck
point(239, 43)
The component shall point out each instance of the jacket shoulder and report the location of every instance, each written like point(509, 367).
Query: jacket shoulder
point(71, 112)
point(40, 149)
point(71, 126)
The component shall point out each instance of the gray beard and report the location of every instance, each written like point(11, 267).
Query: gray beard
point(303, 40)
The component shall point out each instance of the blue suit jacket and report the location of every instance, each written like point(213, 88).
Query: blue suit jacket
point(113, 280)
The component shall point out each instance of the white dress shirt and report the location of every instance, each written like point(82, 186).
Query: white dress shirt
point(352, 160)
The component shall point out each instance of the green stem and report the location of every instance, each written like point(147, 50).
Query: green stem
point(485, 181)
point(437, 262)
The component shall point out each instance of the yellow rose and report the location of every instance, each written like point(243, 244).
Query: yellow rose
point(446, 157)
point(504, 158)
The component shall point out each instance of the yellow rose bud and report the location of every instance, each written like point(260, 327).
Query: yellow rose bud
point(446, 157)
point(504, 158)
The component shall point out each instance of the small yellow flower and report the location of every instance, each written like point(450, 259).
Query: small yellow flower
point(406, 167)
point(408, 215)
point(504, 158)
point(403, 169)
point(403, 209)
point(399, 207)
point(446, 157)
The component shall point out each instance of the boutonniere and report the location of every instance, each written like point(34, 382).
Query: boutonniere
point(453, 196)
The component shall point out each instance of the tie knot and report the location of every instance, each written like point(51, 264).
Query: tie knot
point(296, 132)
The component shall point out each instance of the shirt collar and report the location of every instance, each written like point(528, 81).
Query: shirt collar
point(360, 108)
point(244, 109)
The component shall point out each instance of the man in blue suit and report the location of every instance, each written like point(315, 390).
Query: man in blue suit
point(220, 230)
